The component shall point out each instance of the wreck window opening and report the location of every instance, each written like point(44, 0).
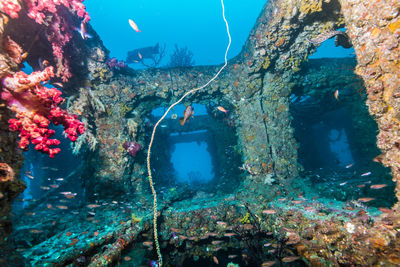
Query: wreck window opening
point(192, 160)
point(201, 154)
point(337, 136)
point(328, 49)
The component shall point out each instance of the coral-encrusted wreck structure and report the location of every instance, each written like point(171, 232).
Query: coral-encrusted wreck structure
point(256, 85)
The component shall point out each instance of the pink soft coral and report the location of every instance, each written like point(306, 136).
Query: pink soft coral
point(59, 32)
point(10, 7)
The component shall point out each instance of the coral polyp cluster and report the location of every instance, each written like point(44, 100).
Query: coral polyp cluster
point(59, 29)
point(35, 107)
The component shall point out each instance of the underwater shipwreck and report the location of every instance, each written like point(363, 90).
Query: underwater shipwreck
point(279, 126)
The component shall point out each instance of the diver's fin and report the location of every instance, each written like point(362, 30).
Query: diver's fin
point(182, 121)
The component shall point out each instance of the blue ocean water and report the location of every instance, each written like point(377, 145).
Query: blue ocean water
point(197, 25)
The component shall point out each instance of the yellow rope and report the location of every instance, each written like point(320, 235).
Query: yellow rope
point(154, 131)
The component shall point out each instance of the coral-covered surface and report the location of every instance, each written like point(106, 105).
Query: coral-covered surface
point(35, 107)
point(59, 29)
point(376, 42)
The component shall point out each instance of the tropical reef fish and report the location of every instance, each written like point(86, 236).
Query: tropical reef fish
point(29, 176)
point(186, 114)
point(290, 258)
point(222, 109)
point(336, 94)
point(379, 158)
point(43, 63)
point(139, 54)
point(215, 259)
point(366, 199)
point(341, 38)
point(133, 25)
point(92, 206)
point(58, 85)
point(268, 263)
point(268, 211)
point(366, 174)
point(378, 186)
point(36, 231)
point(148, 243)
point(82, 30)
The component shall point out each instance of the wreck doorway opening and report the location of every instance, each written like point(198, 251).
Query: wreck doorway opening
point(337, 136)
point(330, 48)
point(187, 170)
point(199, 156)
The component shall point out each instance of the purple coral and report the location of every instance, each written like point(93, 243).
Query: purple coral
point(132, 148)
point(115, 64)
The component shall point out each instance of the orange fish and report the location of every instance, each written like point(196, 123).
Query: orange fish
point(268, 263)
point(229, 234)
point(379, 158)
point(222, 109)
point(148, 243)
point(336, 94)
point(36, 231)
point(378, 186)
point(91, 206)
point(384, 210)
point(58, 84)
point(220, 223)
point(24, 55)
point(366, 199)
point(127, 258)
point(268, 211)
point(134, 26)
point(42, 63)
point(290, 258)
point(62, 207)
point(186, 115)
point(215, 259)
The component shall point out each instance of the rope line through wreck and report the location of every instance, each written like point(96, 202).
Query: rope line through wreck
point(161, 119)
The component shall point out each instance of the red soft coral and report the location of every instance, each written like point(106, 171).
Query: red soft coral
point(35, 107)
